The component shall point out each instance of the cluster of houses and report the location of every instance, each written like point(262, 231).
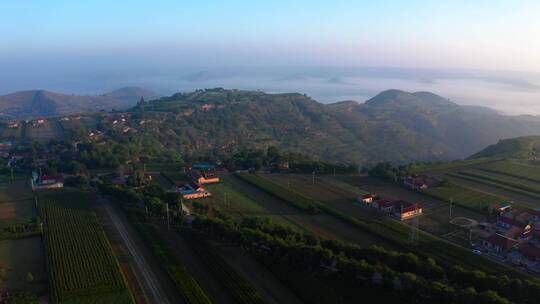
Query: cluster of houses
point(199, 174)
point(400, 209)
point(515, 235)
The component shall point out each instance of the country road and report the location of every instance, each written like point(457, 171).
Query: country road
point(147, 277)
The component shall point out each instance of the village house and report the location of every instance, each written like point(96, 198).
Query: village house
point(500, 207)
point(401, 209)
point(203, 176)
point(47, 182)
point(405, 210)
point(514, 227)
point(193, 191)
point(366, 198)
point(499, 244)
point(421, 182)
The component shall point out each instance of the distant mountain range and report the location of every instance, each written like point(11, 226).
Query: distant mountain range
point(24, 104)
point(393, 126)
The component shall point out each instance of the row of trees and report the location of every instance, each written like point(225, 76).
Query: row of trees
point(152, 197)
point(409, 278)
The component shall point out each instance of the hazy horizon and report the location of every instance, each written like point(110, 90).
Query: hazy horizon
point(462, 50)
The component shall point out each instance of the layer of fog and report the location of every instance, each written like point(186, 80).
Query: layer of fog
point(507, 92)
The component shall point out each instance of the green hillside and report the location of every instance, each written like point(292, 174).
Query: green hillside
point(527, 147)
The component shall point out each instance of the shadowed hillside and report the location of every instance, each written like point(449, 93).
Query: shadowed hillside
point(25, 104)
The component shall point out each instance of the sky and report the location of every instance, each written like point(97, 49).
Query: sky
point(89, 46)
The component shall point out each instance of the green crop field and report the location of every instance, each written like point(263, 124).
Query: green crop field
point(295, 198)
point(82, 266)
point(501, 186)
point(465, 197)
point(514, 169)
point(442, 167)
point(233, 202)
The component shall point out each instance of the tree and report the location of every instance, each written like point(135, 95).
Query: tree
point(29, 277)
point(2, 274)
point(137, 179)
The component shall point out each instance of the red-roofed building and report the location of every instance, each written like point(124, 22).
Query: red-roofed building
point(499, 243)
point(204, 176)
point(513, 228)
point(401, 209)
point(405, 210)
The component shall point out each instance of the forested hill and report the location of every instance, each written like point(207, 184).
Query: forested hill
point(393, 126)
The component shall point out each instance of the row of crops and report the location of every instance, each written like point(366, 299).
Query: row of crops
point(191, 291)
point(394, 232)
point(82, 266)
point(500, 184)
point(240, 289)
point(531, 173)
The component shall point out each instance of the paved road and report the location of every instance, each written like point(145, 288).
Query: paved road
point(149, 279)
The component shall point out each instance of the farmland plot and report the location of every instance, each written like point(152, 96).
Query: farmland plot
point(82, 266)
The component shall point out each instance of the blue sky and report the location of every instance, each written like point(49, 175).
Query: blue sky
point(498, 34)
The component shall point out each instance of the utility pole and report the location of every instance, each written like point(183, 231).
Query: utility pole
point(168, 224)
point(451, 203)
point(289, 180)
point(414, 228)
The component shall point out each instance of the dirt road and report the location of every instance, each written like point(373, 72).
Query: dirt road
point(143, 269)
